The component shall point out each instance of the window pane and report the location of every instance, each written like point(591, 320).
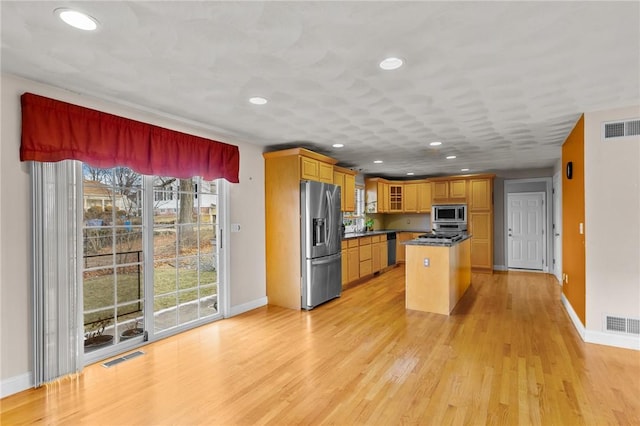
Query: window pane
point(98, 289)
point(130, 284)
point(164, 242)
point(164, 278)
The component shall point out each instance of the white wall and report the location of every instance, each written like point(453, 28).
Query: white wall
point(612, 221)
point(247, 248)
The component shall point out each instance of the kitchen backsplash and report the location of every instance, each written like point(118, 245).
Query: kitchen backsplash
point(408, 221)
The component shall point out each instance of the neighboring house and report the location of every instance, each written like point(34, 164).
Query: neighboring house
point(98, 194)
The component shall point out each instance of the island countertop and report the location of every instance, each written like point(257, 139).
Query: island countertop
point(350, 235)
point(422, 242)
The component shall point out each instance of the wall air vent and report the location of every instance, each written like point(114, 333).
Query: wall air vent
point(620, 129)
point(622, 325)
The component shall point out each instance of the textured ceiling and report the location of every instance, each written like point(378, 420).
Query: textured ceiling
point(501, 84)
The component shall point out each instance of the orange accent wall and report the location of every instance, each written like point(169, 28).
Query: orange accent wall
point(573, 249)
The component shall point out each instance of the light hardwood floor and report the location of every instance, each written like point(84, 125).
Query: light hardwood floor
point(507, 355)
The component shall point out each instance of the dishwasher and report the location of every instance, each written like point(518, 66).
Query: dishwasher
point(391, 248)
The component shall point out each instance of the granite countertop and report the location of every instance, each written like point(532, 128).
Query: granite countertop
point(419, 242)
point(350, 235)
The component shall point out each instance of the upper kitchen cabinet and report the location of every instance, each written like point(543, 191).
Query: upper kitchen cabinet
point(346, 179)
point(312, 168)
point(396, 197)
point(481, 193)
point(447, 190)
point(424, 197)
point(417, 196)
point(376, 195)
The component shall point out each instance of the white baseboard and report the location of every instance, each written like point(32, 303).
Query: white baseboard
point(16, 384)
point(613, 339)
point(599, 337)
point(245, 307)
point(574, 317)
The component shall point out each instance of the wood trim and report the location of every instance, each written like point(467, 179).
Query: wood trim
point(344, 170)
point(453, 177)
point(299, 151)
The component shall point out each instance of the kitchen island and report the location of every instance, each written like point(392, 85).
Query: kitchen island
point(437, 274)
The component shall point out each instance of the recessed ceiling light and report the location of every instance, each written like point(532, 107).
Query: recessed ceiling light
point(337, 145)
point(378, 161)
point(450, 157)
point(391, 64)
point(257, 100)
point(464, 170)
point(77, 19)
point(410, 173)
point(436, 143)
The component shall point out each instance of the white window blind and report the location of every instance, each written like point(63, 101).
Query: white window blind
point(56, 291)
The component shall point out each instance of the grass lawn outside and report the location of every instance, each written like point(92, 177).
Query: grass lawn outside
point(172, 287)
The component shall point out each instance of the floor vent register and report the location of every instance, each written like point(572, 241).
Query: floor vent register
point(123, 358)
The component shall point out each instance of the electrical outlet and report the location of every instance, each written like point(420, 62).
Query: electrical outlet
point(408, 221)
point(427, 262)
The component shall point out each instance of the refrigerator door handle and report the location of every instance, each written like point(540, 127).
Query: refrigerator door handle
point(326, 259)
point(329, 222)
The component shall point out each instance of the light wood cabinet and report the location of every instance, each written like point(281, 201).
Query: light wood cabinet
point(283, 172)
point(365, 256)
point(379, 253)
point(353, 264)
point(349, 193)
point(346, 180)
point(345, 263)
point(481, 194)
point(481, 230)
point(410, 196)
point(375, 257)
point(449, 191)
point(480, 222)
point(376, 195)
point(424, 197)
point(417, 197)
point(396, 204)
point(313, 169)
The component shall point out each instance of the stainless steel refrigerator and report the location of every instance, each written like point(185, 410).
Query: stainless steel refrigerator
point(321, 237)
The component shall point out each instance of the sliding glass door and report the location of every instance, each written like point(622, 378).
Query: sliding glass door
point(185, 251)
point(150, 257)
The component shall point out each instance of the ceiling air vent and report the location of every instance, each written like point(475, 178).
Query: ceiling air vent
point(620, 129)
point(622, 325)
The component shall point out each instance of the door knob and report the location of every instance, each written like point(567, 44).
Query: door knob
point(557, 235)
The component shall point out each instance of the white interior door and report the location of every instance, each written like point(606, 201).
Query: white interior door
point(525, 232)
point(557, 227)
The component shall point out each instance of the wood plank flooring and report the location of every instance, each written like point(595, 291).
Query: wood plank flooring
point(507, 355)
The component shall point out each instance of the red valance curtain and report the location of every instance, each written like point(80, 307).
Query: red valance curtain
point(53, 131)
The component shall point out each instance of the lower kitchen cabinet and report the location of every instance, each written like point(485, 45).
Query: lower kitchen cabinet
point(362, 257)
point(353, 263)
point(365, 257)
point(379, 253)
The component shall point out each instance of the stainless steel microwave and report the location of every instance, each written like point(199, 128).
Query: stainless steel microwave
point(451, 213)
